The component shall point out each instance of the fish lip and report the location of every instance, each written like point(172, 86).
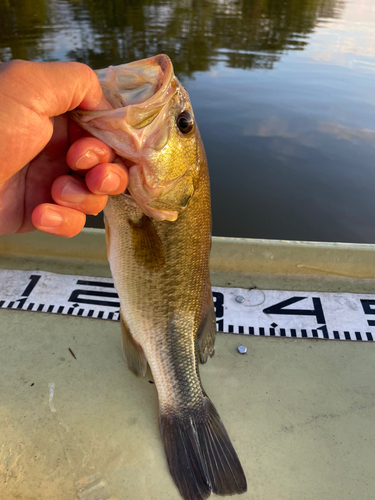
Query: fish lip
point(169, 212)
point(143, 196)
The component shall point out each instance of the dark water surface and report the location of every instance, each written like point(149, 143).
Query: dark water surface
point(283, 92)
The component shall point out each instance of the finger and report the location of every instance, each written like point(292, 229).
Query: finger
point(80, 87)
point(57, 220)
point(75, 132)
point(71, 191)
point(52, 89)
point(87, 152)
point(107, 178)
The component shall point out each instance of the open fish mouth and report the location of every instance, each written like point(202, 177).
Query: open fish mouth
point(145, 96)
point(136, 82)
point(138, 92)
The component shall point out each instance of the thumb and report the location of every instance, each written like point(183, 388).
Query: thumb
point(31, 94)
point(65, 86)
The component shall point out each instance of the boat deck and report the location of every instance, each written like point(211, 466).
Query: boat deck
point(300, 412)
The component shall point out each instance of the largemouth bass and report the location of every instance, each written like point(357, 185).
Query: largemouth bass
point(158, 240)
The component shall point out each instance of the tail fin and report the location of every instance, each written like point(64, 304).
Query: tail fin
point(200, 456)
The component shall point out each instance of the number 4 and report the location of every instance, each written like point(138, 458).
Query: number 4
point(279, 309)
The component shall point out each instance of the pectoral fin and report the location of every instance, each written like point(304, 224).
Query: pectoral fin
point(133, 352)
point(147, 246)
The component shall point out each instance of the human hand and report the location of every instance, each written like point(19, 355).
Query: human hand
point(40, 147)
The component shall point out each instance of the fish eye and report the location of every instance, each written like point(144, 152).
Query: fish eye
point(185, 122)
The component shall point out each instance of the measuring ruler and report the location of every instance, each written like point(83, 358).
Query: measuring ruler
point(271, 313)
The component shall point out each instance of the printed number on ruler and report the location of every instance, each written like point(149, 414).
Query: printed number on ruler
point(256, 312)
point(63, 294)
point(342, 316)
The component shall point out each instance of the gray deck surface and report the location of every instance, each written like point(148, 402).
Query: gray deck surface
point(300, 413)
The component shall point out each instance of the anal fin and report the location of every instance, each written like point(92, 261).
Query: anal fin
point(133, 352)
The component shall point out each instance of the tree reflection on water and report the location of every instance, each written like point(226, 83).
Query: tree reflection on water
point(23, 27)
point(194, 33)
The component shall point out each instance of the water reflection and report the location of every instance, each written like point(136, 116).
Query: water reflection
point(291, 151)
point(23, 28)
point(194, 33)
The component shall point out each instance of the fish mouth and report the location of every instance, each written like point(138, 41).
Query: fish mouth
point(136, 82)
point(141, 94)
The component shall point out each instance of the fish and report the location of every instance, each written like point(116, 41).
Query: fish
point(158, 236)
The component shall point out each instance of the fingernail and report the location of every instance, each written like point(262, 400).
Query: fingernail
point(88, 160)
point(110, 183)
point(73, 192)
point(51, 218)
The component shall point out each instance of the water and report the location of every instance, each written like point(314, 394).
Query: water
point(283, 92)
